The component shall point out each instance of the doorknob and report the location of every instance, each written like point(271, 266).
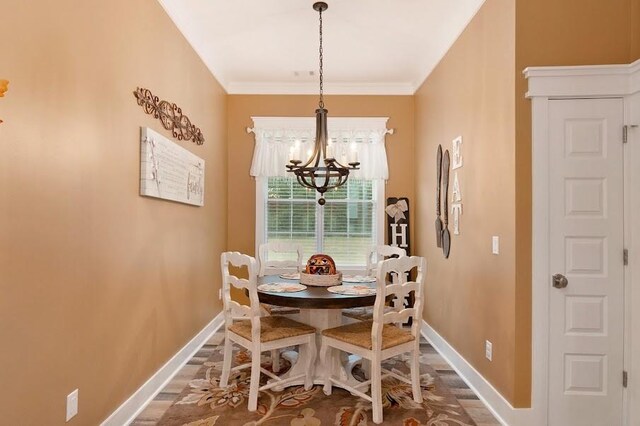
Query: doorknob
point(560, 281)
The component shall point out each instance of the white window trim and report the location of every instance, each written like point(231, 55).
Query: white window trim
point(261, 200)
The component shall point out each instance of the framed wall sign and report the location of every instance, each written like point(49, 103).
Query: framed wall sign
point(169, 171)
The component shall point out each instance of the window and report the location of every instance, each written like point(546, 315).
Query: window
point(351, 221)
point(344, 228)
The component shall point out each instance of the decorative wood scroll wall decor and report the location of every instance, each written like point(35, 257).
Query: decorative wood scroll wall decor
point(170, 115)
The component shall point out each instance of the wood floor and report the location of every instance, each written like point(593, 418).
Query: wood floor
point(465, 396)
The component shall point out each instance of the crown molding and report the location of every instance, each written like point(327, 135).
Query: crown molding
point(311, 88)
point(583, 81)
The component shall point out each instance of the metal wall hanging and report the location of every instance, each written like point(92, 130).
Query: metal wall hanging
point(170, 115)
point(443, 236)
point(446, 236)
point(438, 196)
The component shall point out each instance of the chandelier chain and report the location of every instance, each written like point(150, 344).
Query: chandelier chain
point(321, 103)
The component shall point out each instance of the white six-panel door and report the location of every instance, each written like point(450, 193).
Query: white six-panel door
point(586, 247)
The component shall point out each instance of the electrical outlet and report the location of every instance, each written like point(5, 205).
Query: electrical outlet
point(220, 294)
point(488, 350)
point(72, 404)
point(495, 245)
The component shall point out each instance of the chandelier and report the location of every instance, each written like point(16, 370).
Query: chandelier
point(321, 171)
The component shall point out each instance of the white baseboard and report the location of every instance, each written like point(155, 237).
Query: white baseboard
point(130, 409)
point(495, 402)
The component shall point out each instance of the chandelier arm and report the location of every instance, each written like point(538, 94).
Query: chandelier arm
point(308, 163)
point(327, 178)
point(302, 182)
point(341, 180)
point(316, 154)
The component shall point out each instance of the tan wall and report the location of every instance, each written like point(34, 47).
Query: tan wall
point(468, 94)
point(99, 286)
point(241, 108)
point(471, 295)
point(634, 29)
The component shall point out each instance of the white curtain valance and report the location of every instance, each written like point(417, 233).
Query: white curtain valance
point(276, 135)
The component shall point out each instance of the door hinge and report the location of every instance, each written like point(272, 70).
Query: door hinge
point(625, 379)
point(625, 257)
point(625, 132)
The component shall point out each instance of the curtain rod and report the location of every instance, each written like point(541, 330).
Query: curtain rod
point(387, 131)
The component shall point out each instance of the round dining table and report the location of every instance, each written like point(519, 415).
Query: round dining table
point(320, 309)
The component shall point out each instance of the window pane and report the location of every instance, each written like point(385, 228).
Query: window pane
point(300, 192)
point(291, 217)
point(348, 216)
point(279, 188)
point(349, 231)
point(290, 214)
point(339, 193)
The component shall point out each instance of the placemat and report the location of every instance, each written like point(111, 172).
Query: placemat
point(357, 279)
point(360, 290)
point(290, 276)
point(282, 287)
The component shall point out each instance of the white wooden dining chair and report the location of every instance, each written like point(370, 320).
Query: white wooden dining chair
point(381, 252)
point(280, 257)
point(246, 327)
point(290, 261)
point(374, 256)
point(379, 339)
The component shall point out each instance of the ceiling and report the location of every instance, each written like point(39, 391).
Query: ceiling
point(370, 46)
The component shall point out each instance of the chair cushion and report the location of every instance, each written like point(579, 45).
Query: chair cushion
point(272, 328)
point(359, 334)
point(279, 310)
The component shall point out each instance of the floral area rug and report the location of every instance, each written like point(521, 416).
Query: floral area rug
point(204, 403)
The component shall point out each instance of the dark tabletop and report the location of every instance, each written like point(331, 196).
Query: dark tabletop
point(312, 297)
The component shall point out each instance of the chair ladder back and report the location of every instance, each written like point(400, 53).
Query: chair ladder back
point(380, 252)
point(232, 308)
point(418, 302)
point(279, 266)
point(400, 267)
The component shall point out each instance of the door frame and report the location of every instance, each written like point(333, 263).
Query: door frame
point(547, 84)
